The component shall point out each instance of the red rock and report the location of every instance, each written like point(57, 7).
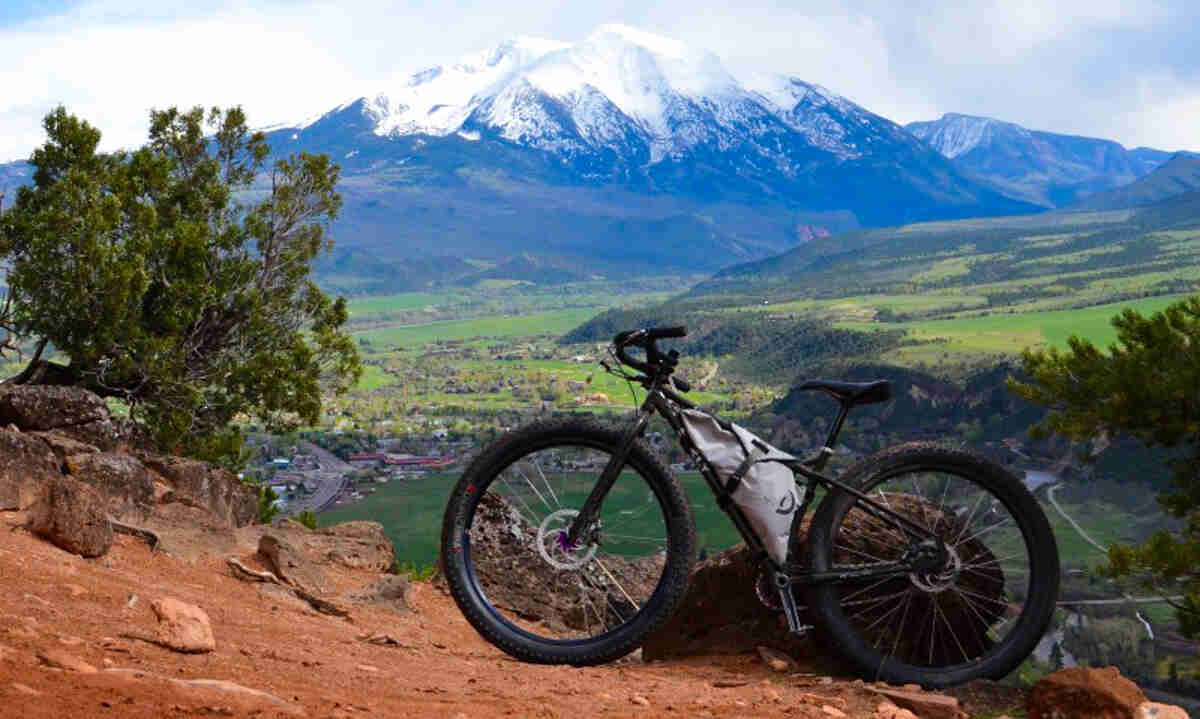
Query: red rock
point(183, 627)
point(1085, 693)
point(1154, 710)
point(67, 662)
point(924, 704)
point(73, 516)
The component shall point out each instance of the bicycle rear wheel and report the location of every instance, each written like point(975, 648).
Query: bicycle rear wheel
point(524, 587)
point(979, 612)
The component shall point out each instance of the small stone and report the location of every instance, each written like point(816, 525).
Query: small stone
point(28, 690)
point(1154, 710)
point(833, 711)
point(75, 590)
point(826, 680)
point(775, 659)
point(772, 695)
point(183, 627)
point(133, 600)
point(71, 641)
point(605, 696)
point(640, 700)
point(57, 659)
point(368, 668)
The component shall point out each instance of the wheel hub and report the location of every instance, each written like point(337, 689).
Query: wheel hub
point(933, 573)
point(554, 547)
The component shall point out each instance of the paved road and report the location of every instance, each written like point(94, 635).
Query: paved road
point(333, 478)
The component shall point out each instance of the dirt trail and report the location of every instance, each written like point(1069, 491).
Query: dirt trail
point(302, 663)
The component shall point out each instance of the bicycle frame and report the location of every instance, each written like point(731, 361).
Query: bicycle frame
point(667, 403)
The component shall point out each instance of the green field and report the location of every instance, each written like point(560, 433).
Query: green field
point(553, 323)
point(1010, 332)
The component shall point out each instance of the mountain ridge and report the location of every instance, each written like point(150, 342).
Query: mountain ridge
point(1046, 168)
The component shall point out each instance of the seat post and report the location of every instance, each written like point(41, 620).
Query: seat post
point(837, 425)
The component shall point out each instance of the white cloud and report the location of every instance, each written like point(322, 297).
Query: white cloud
point(1108, 68)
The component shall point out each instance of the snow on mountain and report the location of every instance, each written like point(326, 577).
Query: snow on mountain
point(955, 134)
point(617, 87)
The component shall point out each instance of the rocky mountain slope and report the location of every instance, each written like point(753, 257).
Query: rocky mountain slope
point(1045, 168)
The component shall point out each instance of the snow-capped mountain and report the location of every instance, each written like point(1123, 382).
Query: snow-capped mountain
point(558, 129)
point(1043, 167)
point(617, 86)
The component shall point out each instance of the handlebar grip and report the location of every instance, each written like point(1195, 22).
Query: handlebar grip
point(680, 383)
point(665, 332)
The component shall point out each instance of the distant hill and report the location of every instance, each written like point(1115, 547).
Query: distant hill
point(1177, 176)
point(1045, 168)
point(1061, 259)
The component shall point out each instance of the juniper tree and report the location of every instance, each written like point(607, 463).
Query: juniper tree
point(1146, 386)
point(176, 277)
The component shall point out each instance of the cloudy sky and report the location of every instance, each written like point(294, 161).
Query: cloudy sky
point(1128, 70)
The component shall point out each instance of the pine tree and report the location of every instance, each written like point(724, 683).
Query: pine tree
point(1146, 386)
point(157, 280)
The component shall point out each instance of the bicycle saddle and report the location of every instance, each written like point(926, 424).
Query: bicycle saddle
point(852, 393)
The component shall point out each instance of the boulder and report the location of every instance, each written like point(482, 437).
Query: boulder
point(124, 482)
point(217, 490)
point(183, 627)
point(721, 614)
point(41, 407)
point(73, 516)
point(1085, 693)
point(111, 434)
point(391, 591)
point(360, 545)
point(290, 565)
point(25, 463)
point(63, 445)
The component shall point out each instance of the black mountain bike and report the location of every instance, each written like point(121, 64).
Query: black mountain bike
point(569, 542)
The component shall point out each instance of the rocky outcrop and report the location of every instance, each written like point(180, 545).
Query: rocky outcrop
point(123, 481)
point(721, 614)
point(72, 515)
point(359, 545)
point(291, 566)
point(48, 432)
point(25, 464)
point(1088, 693)
point(202, 484)
point(40, 407)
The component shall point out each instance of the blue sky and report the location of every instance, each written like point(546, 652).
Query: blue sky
point(1120, 69)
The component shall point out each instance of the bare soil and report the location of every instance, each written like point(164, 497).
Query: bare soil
point(302, 663)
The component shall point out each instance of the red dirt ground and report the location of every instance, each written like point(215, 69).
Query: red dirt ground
point(318, 666)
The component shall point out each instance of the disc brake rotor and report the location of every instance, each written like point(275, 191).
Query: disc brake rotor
point(552, 542)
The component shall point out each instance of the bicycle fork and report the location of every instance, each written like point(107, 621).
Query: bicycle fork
point(591, 506)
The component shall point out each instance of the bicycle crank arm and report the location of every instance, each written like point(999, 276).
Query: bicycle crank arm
point(790, 610)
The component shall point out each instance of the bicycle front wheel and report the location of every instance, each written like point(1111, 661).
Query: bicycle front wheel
point(532, 593)
point(975, 611)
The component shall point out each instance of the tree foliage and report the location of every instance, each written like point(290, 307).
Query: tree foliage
point(1146, 386)
point(177, 276)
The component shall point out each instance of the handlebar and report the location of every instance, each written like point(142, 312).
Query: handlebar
point(656, 362)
